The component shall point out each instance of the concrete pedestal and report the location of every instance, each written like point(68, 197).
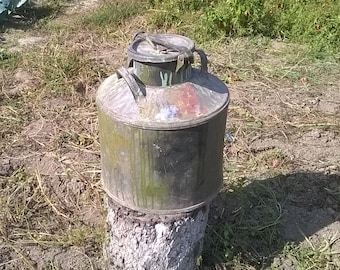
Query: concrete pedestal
point(146, 241)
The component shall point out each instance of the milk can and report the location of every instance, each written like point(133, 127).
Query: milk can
point(161, 126)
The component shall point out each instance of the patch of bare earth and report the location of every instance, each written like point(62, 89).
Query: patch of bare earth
point(52, 214)
point(285, 160)
point(83, 6)
point(51, 199)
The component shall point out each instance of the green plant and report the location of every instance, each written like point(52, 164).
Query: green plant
point(256, 220)
point(112, 13)
point(175, 12)
point(314, 23)
point(59, 67)
point(311, 256)
point(240, 17)
point(8, 60)
point(218, 244)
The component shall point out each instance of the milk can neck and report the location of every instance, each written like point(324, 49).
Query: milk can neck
point(163, 74)
point(161, 59)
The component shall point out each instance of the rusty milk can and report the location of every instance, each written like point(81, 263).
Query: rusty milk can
point(161, 126)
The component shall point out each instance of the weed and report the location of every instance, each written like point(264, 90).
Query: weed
point(112, 13)
point(239, 18)
point(184, 16)
point(14, 113)
point(82, 236)
point(54, 205)
point(311, 256)
point(8, 60)
point(315, 23)
point(61, 70)
point(257, 216)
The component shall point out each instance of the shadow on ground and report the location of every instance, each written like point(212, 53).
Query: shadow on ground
point(26, 16)
point(255, 223)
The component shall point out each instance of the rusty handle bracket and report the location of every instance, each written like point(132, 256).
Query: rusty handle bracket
point(184, 53)
point(136, 90)
point(204, 60)
point(163, 46)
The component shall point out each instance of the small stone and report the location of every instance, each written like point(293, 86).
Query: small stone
point(276, 162)
point(304, 80)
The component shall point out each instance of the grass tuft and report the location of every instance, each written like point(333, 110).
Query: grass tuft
point(8, 60)
point(284, 109)
point(258, 218)
point(311, 256)
point(112, 13)
point(314, 23)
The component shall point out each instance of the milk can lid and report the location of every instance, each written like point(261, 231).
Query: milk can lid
point(159, 48)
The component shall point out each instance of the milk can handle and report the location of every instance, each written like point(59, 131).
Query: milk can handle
point(204, 60)
point(130, 80)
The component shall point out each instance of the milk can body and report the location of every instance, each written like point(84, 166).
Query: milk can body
point(162, 152)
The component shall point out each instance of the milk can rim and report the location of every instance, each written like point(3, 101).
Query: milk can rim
point(139, 50)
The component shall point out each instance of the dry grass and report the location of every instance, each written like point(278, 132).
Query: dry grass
point(51, 196)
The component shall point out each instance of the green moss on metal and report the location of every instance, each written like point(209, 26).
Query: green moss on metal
point(150, 191)
point(138, 176)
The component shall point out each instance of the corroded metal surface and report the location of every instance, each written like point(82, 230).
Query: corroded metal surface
point(161, 151)
point(180, 106)
point(162, 74)
point(161, 59)
point(162, 170)
point(141, 50)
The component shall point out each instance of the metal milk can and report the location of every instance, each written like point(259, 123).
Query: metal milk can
point(162, 125)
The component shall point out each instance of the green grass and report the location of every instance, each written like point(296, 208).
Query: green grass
point(265, 81)
point(314, 23)
point(14, 114)
point(112, 13)
point(251, 226)
point(311, 256)
point(9, 60)
point(60, 68)
point(245, 228)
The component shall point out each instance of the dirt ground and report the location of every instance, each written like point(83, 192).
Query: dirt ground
point(282, 166)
